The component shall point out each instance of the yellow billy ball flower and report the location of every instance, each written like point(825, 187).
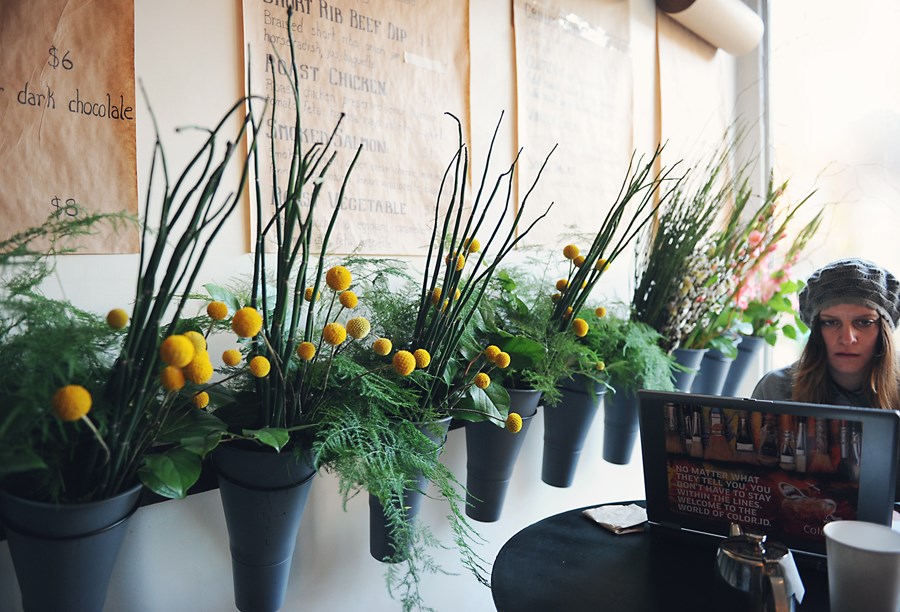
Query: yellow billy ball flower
point(117, 318)
point(502, 360)
point(600, 312)
point(176, 350)
point(436, 296)
point(472, 245)
point(481, 380)
point(404, 363)
point(260, 366)
point(382, 346)
point(348, 299)
point(338, 278)
point(306, 351)
point(570, 251)
point(217, 311)
point(601, 265)
point(514, 422)
point(460, 262)
point(457, 294)
point(231, 357)
point(601, 366)
point(246, 322)
point(308, 294)
point(491, 352)
point(578, 261)
point(423, 358)
point(172, 378)
point(196, 339)
point(568, 312)
point(561, 284)
point(201, 400)
point(200, 369)
point(555, 297)
point(334, 334)
point(580, 327)
point(358, 327)
point(71, 402)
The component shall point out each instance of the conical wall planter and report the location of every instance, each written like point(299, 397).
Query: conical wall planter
point(690, 359)
point(491, 453)
point(64, 554)
point(566, 426)
point(620, 426)
point(712, 373)
point(384, 545)
point(263, 494)
point(748, 352)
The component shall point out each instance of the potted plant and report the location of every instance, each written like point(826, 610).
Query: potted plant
point(632, 358)
point(729, 261)
point(91, 415)
point(423, 324)
point(768, 305)
point(565, 426)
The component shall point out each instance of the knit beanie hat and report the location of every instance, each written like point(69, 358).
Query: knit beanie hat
point(851, 281)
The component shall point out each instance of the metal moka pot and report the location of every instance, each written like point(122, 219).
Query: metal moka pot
point(751, 564)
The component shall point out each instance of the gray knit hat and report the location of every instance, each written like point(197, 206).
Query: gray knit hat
point(851, 281)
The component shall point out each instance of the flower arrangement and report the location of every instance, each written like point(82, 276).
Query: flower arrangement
point(768, 301)
point(733, 255)
point(93, 405)
point(642, 192)
point(669, 258)
point(630, 352)
point(457, 273)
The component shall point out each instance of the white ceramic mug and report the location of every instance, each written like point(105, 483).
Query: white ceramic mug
point(863, 567)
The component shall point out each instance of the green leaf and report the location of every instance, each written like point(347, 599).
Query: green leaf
point(275, 437)
point(505, 281)
point(221, 294)
point(771, 338)
point(524, 352)
point(477, 405)
point(171, 473)
point(789, 331)
point(17, 461)
point(191, 424)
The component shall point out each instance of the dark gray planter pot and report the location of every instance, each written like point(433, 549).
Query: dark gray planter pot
point(566, 427)
point(620, 426)
point(713, 371)
point(748, 352)
point(491, 454)
point(384, 545)
point(64, 554)
point(690, 359)
point(263, 495)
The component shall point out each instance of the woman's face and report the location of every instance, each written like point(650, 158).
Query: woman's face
point(851, 335)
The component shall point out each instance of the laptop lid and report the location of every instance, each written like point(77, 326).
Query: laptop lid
point(784, 469)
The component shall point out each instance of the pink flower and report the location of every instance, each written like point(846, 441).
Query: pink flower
point(754, 238)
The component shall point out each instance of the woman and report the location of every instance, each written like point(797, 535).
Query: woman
point(852, 307)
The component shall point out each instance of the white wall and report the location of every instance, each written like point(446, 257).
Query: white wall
point(175, 557)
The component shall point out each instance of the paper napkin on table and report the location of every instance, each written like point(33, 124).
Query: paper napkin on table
point(618, 518)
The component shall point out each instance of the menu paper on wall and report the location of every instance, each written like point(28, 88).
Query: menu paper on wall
point(67, 116)
point(574, 88)
point(395, 67)
point(694, 116)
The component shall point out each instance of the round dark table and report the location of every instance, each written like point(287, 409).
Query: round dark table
point(569, 563)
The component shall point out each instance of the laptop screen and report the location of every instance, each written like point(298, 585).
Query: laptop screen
point(784, 469)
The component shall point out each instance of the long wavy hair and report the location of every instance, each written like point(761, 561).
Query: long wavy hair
point(812, 382)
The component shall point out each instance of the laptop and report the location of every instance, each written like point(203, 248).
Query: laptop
point(784, 469)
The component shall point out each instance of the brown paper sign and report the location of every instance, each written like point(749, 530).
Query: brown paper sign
point(67, 116)
point(574, 83)
point(394, 67)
